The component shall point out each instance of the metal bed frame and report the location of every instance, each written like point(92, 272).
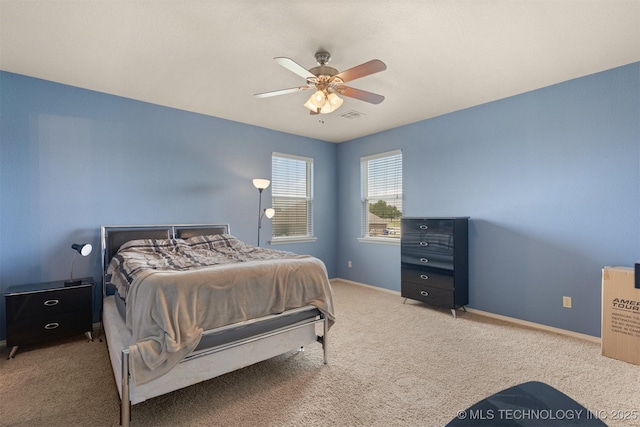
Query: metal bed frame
point(203, 363)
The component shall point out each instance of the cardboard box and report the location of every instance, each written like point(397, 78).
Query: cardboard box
point(620, 315)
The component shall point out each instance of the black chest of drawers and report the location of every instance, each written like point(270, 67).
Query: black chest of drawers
point(435, 261)
point(43, 311)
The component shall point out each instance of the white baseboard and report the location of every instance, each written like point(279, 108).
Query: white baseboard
point(471, 310)
point(537, 325)
point(521, 322)
point(351, 282)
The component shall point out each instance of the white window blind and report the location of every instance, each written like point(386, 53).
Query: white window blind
point(292, 196)
point(381, 176)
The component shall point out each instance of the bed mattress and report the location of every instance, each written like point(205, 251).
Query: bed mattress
point(231, 335)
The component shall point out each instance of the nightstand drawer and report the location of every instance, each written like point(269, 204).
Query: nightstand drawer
point(428, 294)
point(48, 327)
point(425, 277)
point(38, 304)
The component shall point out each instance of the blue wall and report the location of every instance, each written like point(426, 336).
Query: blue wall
point(550, 179)
point(72, 160)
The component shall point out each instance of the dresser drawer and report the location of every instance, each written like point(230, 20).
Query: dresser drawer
point(429, 260)
point(425, 277)
point(417, 226)
point(433, 234)
point(39, 304)
point(441, 245)
point(48, 327)
point(428, 294)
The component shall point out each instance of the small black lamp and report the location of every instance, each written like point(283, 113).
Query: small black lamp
point(82, 249)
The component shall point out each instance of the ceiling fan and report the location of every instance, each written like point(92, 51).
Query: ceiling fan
point(328, 83)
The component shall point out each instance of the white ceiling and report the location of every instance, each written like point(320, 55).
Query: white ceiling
point(212, 56)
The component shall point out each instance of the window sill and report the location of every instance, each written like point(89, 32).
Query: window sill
point(287, 240)
point(380, 240)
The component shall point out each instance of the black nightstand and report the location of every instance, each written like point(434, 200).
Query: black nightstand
point(43, 311)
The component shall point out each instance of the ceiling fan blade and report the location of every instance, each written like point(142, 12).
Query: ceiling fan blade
point(281, 92)
point(371, 67)
point(362, 95)
point(293, 66)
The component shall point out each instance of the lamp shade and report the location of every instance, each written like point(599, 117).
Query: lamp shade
point(261, 183)
point(335, 101)
point(269, 212)
point(318, 99)
point(83, 249)
point(310, 106)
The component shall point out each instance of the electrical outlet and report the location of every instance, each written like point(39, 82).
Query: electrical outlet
point(349, 264)
point(566, 302)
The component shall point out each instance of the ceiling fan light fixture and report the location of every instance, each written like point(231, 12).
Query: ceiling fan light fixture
point(330, 102)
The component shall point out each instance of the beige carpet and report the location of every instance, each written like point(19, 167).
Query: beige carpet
point(392, 364)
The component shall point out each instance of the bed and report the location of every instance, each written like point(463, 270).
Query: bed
point(173, 322)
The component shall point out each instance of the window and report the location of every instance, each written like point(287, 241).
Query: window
point(381, 176)
point(292, 197)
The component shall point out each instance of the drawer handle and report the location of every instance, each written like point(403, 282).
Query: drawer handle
point(51, 302)
point(424, 227)
point(424, 243)
point(424, 293)
point(51, 325)
point(424, 277)
point(424, 260)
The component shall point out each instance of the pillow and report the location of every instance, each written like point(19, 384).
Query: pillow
point(153, 245)
point(214, 241)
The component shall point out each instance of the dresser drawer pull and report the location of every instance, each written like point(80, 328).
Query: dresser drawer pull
point(51, 302)
point(424, 277)
point(51, 325)
point(424, 227)
point(424, 260)
point(424, 293)
point(424, 243)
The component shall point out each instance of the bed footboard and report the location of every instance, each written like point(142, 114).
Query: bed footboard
point(214, 361)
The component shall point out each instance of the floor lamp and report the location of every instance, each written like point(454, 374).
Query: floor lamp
point(261, 184)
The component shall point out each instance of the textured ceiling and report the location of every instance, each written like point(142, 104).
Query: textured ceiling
point(210, 57)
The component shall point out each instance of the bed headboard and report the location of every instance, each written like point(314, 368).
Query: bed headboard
point(114, 236)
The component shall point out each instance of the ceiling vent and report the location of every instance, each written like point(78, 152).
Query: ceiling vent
point(351, 115)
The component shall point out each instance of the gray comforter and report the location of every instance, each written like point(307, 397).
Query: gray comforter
point(175, 289)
